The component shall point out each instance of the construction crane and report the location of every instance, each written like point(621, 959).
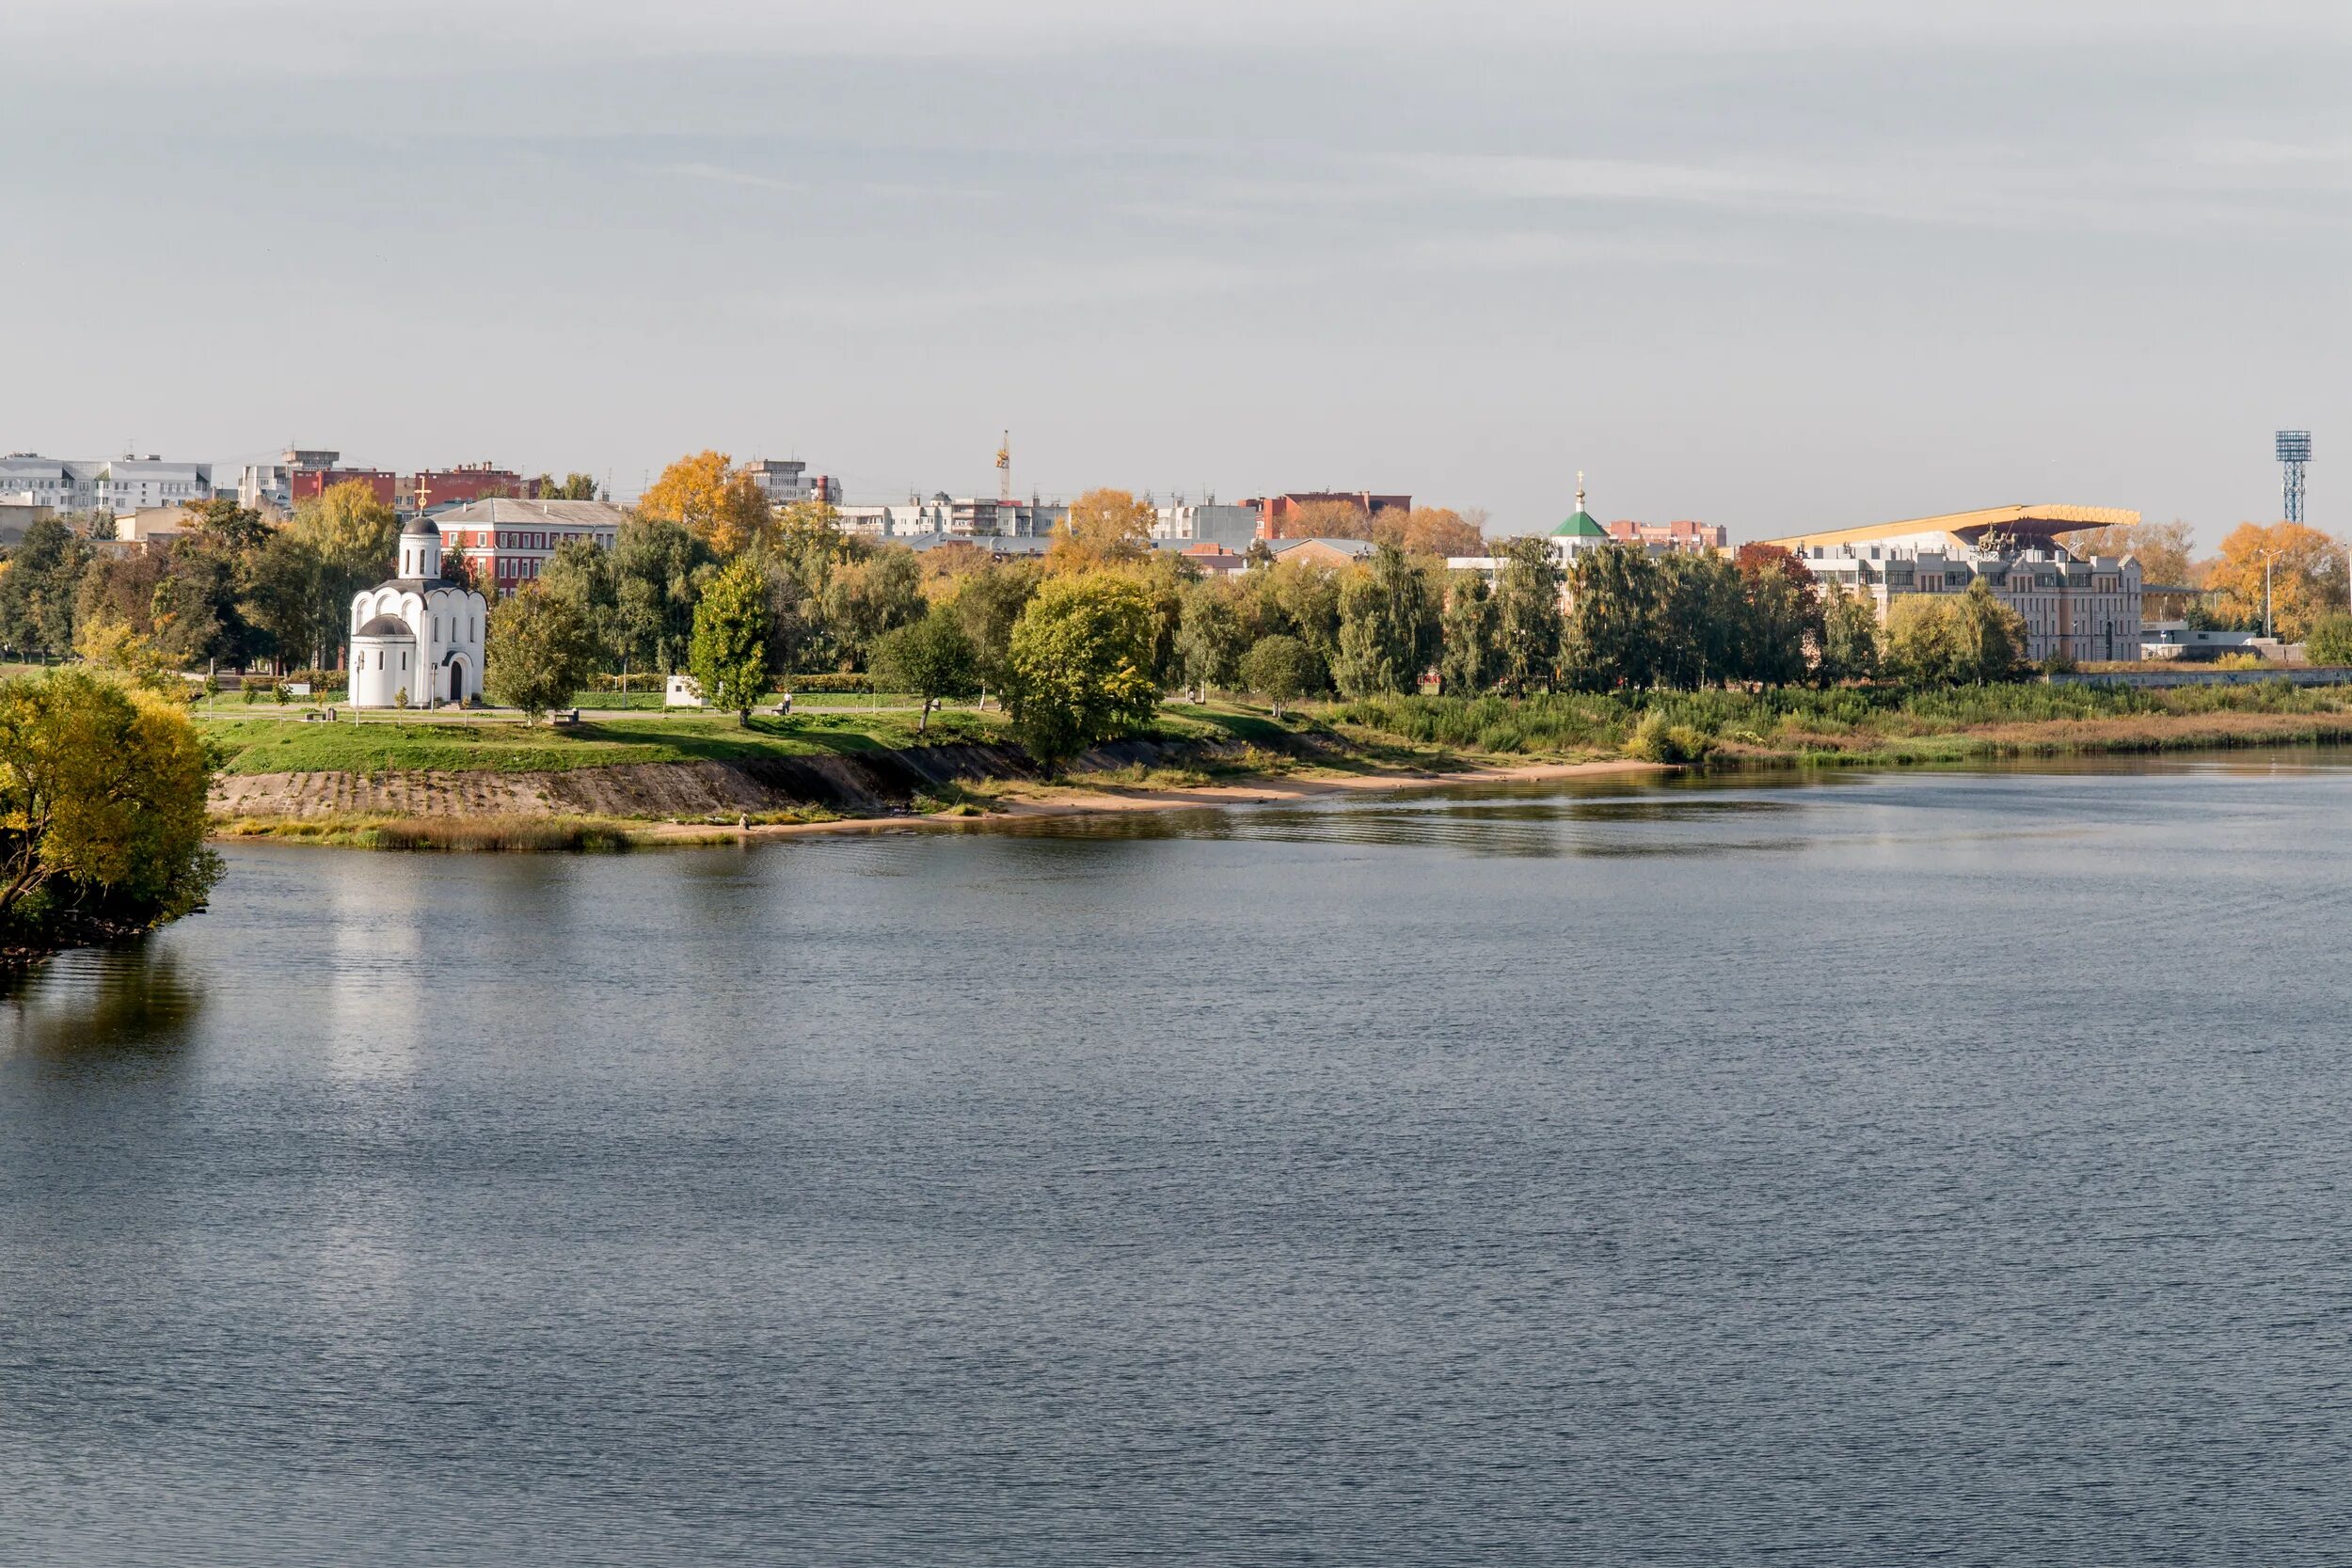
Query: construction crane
point(1004, 471)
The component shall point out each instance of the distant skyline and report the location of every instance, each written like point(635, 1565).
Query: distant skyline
point(1768, 266)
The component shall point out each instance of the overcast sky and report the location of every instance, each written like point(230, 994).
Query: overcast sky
point(1771, 265)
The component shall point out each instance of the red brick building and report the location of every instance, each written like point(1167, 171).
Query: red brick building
point(310, 483)
point(1272, 510)
point(468, 481)
point(1687, 537)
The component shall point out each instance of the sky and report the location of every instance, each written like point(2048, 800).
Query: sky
point(1769, 265)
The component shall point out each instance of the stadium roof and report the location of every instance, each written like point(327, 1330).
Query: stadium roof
point(2021, 522)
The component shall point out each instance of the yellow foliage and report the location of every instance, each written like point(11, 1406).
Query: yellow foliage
point(707, 493)
point(2307, 576)
point(1104, 526)
point(114, 645)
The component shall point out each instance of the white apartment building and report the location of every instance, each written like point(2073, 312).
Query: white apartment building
point(128, 484)
point(1207, 522)
point(120, 485)
point(787, 479)
point(945, 517)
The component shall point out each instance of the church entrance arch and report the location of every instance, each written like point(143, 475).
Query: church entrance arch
point(453, 682)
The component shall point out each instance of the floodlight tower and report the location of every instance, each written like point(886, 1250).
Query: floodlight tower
point(2295, 450)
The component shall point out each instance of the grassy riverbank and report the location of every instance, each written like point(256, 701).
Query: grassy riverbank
point(497, 785)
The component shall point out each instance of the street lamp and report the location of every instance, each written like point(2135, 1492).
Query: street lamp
point(2268, 555)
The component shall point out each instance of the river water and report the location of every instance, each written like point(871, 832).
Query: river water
point(1854, 1170)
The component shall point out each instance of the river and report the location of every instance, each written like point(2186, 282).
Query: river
point(1857, 1169)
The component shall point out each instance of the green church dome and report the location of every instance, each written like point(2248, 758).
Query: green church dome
point(1580, 524)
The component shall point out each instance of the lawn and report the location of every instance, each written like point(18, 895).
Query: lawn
point(371, 745)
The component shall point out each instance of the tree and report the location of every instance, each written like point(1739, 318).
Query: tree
point(571, 488)
point(1388, 627)
point(706, 493)
point(1850, 638)
point(1611, 640)
point(287, 599)
point(2163, 550)
point(2329, 640)
point(102, 810)
point(1081, 666)
point(352, 538)
point(1782, 623)
point(116, 646)
point(1436, 531)
point(1103, 528)
point(539, 651)
point(988, 602)
point(657, 572)
point(38, 593)
point(1325, 519)
point(1281, 669)
point(1211, 636)
point(931, 658)
point(1936, 638)
point(729, 651)
point(2306, 576)
point(1302, 600)
point(222, 522)
point(1527, 623)
point(1700, 628)
point(865, 598)
point(1470, 662)
point(580, 573)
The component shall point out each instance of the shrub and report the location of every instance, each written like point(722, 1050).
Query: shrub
point(2329, 640)
point(1654, 739)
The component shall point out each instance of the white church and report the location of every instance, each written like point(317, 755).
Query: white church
point(416, 641)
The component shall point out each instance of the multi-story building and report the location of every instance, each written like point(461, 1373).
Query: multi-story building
point(2073, 607)
point(787, 479)
point(107, 484)
point(506, 543)
point(1275, 511)
point(945, 517)
point(1681, 537)
point(125, 484)
point(28, 479)
point(308, 484)
point(468, 481)
point(270, 485)
point(1207, 522)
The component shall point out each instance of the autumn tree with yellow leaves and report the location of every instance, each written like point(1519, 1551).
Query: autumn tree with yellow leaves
point(2307, 572)
point(708, 494)
point(1104, 528)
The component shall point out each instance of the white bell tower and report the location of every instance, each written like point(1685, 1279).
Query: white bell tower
point(420, 550)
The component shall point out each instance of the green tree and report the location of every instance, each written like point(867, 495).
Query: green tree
point(37, 593)
point(571, 488)
point(1388, 621)
point(102, 810)
point(285, 597)
point(865, 598)
point(729, 651)
point(657, 571)
point(931, 658)
point(1699, 629)
point(1470, 662)
point(1782, 622)
point(581, 573)
point(1212, 634)
point(988, 602)
point(1612, 637)
point(2329, 640)
point(1081, 666)
point(1281, 669)
point(1298, 599)
point(1850, 638)
point(1923, 642)
point(223, 523)
point(539, 651)
point(1993, 637)
point(1527, 623)
point(353, 538)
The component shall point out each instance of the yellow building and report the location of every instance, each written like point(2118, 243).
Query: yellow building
point(2073, 608)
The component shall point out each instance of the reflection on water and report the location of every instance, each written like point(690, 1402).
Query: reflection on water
point(1877, 1167)
point(135, 1002)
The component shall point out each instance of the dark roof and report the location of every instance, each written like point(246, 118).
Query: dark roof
point(422, 526)
point(385, 625)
